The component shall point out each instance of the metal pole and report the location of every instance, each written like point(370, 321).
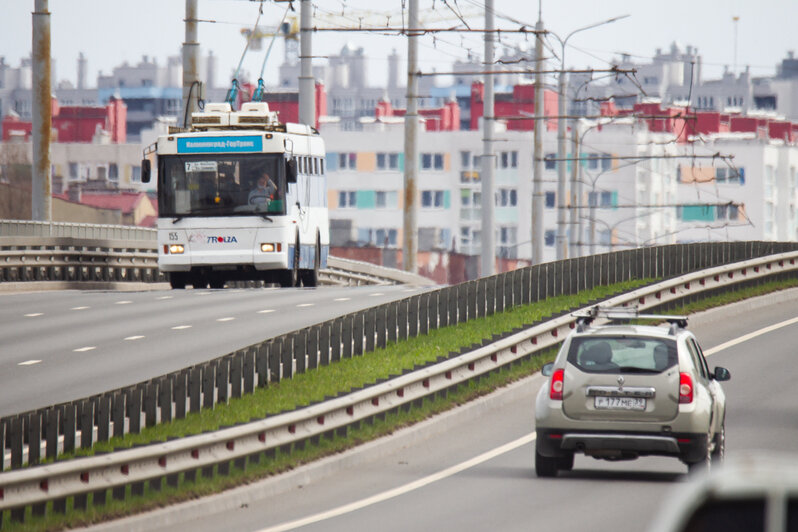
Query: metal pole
point(562, 238)
point(192, 87)
point(576, 164)
point(410, 229)
point(537, 159)
point(307, 101)
point(488, 157)
point(41, 174)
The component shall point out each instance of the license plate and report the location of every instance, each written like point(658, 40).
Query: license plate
point(619, 403)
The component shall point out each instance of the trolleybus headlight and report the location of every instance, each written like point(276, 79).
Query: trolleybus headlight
point(176, 249)
point(268, 248)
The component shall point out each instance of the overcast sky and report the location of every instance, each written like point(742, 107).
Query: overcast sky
point(110, 32)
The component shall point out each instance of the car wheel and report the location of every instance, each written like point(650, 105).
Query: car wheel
point(177, 280)
point(546, 467)
point(566, 463)
point(705, 463)
point(719, 452)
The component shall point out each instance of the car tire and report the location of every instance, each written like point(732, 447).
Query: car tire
point(177, 280)
point(719, 452)
point(704, 464)
point(566, 463)
point(546, 467)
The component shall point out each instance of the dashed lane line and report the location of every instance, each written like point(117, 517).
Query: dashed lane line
point(84, 349)
point(34, 314)
point(29, 363)
point(266, 311)
point(305, 305)
point(131, 338)
point(124, 302)
point(226, 319)
point(342, 299)
point(79, 308)
point(180, 327)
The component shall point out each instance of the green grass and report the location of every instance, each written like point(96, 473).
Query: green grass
point(329, 380)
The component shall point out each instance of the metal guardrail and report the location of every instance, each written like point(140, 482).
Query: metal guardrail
point(73, 252)
point(76, 478)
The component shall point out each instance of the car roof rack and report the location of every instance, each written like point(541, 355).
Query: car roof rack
point(586, 317)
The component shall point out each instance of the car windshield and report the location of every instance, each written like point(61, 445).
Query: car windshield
point(221, 185)
point(622, 354)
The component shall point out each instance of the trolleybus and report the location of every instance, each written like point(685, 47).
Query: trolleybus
point(240, 197)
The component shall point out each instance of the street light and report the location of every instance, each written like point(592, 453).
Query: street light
point(561, 239)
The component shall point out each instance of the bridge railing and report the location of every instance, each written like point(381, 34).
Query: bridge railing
point(162, 462)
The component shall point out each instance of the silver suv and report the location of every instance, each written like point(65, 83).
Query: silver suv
point(617, 391)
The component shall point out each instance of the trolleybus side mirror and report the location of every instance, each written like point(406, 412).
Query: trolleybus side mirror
point(146, 170)
point(290, 170)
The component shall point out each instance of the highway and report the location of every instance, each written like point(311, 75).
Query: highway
point(472, 469)
point(66, 345)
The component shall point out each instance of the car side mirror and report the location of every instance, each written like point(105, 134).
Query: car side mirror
point(721, 374)
point(547, 369)
point(290, 170)
point(146, 170)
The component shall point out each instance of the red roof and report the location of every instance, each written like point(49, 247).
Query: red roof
point(120, 201)
point(148, 221)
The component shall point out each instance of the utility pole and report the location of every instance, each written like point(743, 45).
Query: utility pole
point(192, 87)
point(561, 241)
point(537, 159)
point(41, 175)
point(307, 101)
point(488, 157)
point(410, 227)
point(576, 196)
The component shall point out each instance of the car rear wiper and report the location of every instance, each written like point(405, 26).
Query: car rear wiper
point(266, 217)
point(636, 369)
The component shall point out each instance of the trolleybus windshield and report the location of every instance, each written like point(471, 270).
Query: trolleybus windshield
point(221, 185)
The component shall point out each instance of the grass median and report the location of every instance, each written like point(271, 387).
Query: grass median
point(329, 380)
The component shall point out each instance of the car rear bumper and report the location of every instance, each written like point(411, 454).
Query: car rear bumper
point(621, 445)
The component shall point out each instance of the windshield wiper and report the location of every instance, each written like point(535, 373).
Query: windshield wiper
point(266, 217)
point(174, 221)
point(635, 369)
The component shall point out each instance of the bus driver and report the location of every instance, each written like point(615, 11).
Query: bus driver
point(264, 192)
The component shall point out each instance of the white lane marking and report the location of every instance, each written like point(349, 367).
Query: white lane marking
point(125, 302)
point(266, 311)
point(375, 294)
point(305, 304)
point(161, 298)
point(34, 314)
point(749, 336)
point(225, 319)
point(203, 293)
point(84, 349)
point(29, 363)
point(131, 338)
point(180, 327)
point(401, 490)
point(79, 308)
point(342, 299)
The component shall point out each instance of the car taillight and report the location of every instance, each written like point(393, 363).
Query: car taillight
point(556, 386)
point(685, 388)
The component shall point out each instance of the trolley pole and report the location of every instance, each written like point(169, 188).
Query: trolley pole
point(307, 102)
point(410, 226)
point(41, 176)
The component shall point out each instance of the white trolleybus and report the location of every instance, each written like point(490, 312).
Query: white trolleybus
point(240, 197)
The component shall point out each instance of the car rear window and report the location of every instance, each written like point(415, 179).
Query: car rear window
point(622, 354)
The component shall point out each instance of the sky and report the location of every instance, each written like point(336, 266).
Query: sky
point(111, 32)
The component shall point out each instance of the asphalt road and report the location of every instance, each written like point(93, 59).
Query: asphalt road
point(60, 346)
point(472, 469)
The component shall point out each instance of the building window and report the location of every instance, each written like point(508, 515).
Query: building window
point(380, 199)
point(439, 161)
point(432, 198)
point(549, 161)
point(513, 159)
point(606, 199)
point(507, 197)
point(393, 161)
point(73, 170)
point(426, 161)
point(113, 172)
point(135, 176)
point(606, 162)
point(593, 161)
point(548, 238)
point(550, 200)
point(465, 160)
point(347, 199)
point(382, 162)
point(347, 160)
